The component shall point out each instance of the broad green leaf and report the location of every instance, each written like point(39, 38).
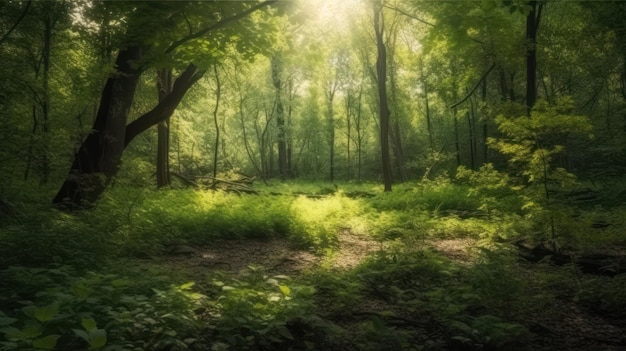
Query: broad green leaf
point(32, 330)
point(120, 283)
point(47, 342)
point(44, 314)
point(285, 290)
point(12, 333)
point(97, 338)
point(7, 320)
point(82, 334)
point(29, 310)
point(187, 286)
point(89, 324)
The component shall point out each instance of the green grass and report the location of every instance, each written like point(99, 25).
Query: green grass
point(98, 279)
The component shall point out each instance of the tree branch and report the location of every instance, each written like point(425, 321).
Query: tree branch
point(409, 15)
point(19, 19)
point(217, 25)
point(484, 76)
point(166, 107)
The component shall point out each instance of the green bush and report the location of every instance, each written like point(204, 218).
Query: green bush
point(261, 312)
point(61, 310)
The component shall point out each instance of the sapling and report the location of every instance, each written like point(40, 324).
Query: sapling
point(532, 144)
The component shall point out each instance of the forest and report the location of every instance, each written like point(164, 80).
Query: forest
point(312, 175)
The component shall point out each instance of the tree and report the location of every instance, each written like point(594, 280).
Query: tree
point(383, 106)
point(164, 87)
point(98, 159)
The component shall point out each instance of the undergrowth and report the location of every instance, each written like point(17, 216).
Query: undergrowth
point(100, 290)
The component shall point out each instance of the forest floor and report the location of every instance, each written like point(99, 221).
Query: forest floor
point(567, 325)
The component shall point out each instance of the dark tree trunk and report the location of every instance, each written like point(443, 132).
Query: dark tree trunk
point(381, 70)
point(398, 150)
point(485, 124)
point(164, 86)
point(99, 157)
point(532, 23)
point(429, 125)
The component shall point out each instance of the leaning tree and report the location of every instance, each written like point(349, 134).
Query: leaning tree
point(188, 36)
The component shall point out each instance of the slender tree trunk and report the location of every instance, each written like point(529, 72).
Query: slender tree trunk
point(456, 137)
point(531, 55)
point(164, 87)
point(429, 125)
point(359, 136)
point(331, 135)
point(485, 123)
point(45, 106)
point(218, 96)
point(277, 68)
point(349, 110)
point(472, 134)
point(381, 73)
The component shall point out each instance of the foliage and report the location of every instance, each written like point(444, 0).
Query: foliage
point(261, 312)
point(607, 296)
point(94, 311)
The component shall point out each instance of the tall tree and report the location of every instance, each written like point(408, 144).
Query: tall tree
point(277, 72)
point(383, 106)
point(99, 157)
point(164, 86)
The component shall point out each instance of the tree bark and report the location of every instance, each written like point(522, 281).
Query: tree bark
point(164, 86)
point(99, 157)
point(280, 115)
point(218, 95)
point(532, 23)
point(381, 70)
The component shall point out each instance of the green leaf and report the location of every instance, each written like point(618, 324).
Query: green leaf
point(118, 283)
point(29, 310)
point(46, 343)
point(89, 324)
point(7, 320)
point(82, 334)
point(285, 290)
point(11, 333)
point(97, 338)
point(32, 330)
point(187, 286)
point(44, 314)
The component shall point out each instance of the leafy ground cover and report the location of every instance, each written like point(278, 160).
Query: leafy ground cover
point(431, 266)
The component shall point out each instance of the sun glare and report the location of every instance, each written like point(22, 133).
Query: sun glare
point(333, 13)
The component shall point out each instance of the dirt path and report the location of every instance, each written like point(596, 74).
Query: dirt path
point(276, 256)
point(571, 327)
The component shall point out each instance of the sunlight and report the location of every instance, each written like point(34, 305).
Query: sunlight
point(332, 13)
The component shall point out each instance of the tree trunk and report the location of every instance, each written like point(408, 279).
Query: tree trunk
point(331, 135)
point(218, 95)
point(429, 125)
point(164, 86)
point(532, 21)
point(485, 123)
point(381, 71)
point(280, 114)
point(99, 157)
